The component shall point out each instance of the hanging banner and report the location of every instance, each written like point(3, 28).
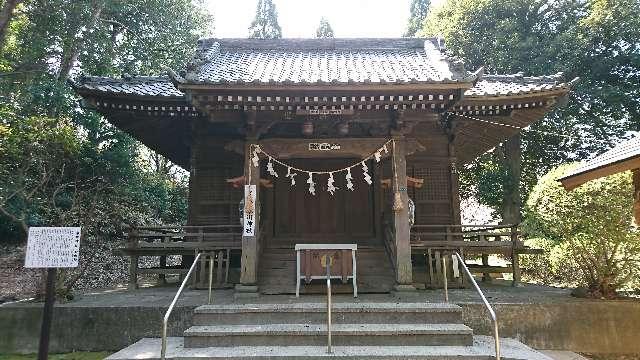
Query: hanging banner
point(249, 224)
point(53, 247)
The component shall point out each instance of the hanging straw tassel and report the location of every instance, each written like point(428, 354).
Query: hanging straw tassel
point(397, 202)
point(397, 199)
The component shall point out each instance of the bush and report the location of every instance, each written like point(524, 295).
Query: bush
point(587, 232)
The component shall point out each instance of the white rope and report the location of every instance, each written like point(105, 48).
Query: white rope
point(526, 129)
point(511, 126)
point(275, 160)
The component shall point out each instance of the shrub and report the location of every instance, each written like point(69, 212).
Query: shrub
point(588, 231)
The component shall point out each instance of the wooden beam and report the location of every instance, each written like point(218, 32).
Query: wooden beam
point(348, 147)
point(573, 181)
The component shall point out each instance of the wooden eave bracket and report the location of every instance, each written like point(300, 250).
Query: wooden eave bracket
point(239, 181)
point(411, 182)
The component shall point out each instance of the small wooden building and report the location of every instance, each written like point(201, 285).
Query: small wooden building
point(387, 120)
point(623, 157)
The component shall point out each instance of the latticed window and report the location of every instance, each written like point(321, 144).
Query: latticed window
point(432, 200)
point(217, 200)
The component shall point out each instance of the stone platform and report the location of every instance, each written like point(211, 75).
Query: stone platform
point(541, 317)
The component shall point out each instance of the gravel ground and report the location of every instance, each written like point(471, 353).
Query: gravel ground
point(612, 356)
point(104, 270)
point(17, 282)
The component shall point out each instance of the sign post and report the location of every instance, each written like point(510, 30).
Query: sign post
point(51, 248)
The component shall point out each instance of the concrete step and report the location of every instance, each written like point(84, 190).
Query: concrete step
point(315, 313)
point(481, 349)
point(316, 335)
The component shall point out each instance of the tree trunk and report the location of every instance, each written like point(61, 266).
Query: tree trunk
point(511, 202)
point(6, 13)
point(70, 55)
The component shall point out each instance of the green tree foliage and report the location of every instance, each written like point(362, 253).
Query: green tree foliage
point(110, 37)
point(265, 24)
point(324, 30)
point(6, 14)
point(596, 40)
point(418, 11)
point(62, 164)
point(588, 230)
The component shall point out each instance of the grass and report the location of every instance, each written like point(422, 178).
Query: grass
point(80, 355)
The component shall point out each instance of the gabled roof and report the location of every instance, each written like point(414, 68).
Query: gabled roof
point(488, 86)
point(144, 86)
point(323, 62)
point(516, 84)
point(623, 157)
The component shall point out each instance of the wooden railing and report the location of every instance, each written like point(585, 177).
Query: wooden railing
point(436, 241)
point(467, 232)
point(216, 241)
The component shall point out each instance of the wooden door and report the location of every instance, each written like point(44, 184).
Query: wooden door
point(345, 216)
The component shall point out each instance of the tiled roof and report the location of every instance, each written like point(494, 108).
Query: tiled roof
point(506, 85)
point(145, 86)
point(323, 61)
point(162, 87)
point(622, 152)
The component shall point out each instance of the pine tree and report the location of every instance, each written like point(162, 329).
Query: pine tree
point(417, 13)
point(265, 24)
point(324, 30)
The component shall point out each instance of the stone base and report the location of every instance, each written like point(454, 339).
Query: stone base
point(402, 288)
point(246, 291)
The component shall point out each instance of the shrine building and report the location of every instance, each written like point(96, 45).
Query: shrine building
point(341, 141)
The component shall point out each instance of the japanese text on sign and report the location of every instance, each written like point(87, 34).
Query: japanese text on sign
point(53, 247)
point(249, 226)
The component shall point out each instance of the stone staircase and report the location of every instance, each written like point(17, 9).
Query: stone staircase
point(298, 331)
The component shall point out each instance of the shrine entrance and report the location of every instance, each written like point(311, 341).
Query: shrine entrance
point(344, 217)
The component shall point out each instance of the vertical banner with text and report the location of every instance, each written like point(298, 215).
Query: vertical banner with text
point(249, 224)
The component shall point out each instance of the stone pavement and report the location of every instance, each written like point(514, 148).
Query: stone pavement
point(496, 292)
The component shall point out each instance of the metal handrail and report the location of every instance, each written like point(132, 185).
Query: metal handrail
point(165, 320)
point(492, 313)
point(328, 305)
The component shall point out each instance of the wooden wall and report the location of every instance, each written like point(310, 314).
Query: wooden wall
point(212, 201)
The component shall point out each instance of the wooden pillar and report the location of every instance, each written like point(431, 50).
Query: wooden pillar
point(404, 276)
point(636, 196)
point(132, 243)
point(454, 186)
point(515, 260)
point(250, 246)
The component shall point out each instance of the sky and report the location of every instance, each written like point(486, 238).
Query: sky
point(300, 18)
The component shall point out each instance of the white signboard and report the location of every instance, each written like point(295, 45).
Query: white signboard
point(323, 146)
point(249, 224)
point(53, 247)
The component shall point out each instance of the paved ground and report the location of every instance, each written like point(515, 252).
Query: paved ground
point(496, 293)
point(563, 355)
